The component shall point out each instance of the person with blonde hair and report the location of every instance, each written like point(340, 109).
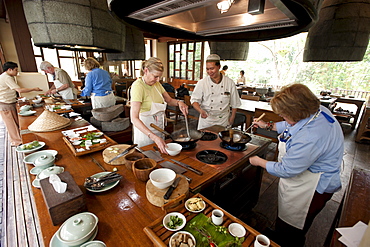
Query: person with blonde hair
point(98, 85)
point(63, 84)
point(311, 147)
point(148, 105)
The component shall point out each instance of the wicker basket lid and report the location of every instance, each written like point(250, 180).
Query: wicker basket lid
point(49, 121)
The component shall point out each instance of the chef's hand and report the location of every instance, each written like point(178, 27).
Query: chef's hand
point(259, 124)
point(203, 114)
point(257, 161)
point(48, 92)
point(183, 108)
point(160, 143)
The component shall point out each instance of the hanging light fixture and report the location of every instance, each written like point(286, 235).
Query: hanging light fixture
point(224, 5)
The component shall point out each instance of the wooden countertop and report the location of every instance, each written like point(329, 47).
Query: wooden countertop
point(123, 211)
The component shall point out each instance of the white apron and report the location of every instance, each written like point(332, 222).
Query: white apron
point(295, 194)
point(103, 101)
point(156, 115)
point(66, 93)
point(221, 118)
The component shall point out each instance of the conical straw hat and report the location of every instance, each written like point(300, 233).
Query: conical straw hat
point(49, 121)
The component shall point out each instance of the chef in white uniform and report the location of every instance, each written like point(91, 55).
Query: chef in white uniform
point(148, 104)
point(214, 95)
point(63, 84)
point(309, 162)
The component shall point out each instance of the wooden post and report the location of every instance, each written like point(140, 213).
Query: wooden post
point(21, 35)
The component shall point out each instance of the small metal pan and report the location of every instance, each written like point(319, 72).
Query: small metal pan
point(232, 137)
point(181, 136)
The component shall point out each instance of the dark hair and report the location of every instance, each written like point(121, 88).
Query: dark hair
point(242, 71)
point(9, 65)
point(225, 67)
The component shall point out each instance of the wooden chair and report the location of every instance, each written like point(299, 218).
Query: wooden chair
point(194, 114)
point(251, 97)
point(273, 135)
point(173, 109)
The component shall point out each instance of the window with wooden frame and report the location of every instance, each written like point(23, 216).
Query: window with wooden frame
point(185, 60)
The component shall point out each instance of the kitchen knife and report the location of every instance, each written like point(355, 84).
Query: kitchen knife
point(172, 187)
point(175, 168)
point(123, 153)
point(188, 167)
point(150, 154)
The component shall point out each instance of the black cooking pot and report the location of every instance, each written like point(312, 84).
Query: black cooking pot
point(181, 136)
point(234, 137)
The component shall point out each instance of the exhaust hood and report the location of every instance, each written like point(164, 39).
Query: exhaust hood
point(74, 25)
point(202, 20)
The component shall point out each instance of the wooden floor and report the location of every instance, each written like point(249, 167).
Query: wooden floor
point(19, 224)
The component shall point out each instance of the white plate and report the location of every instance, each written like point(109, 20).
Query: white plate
point(184, 232)
point(194, 211)
point(55, 242)
point(36, 183)
point(27, 113)
point(166, 219)
point(18, 149)
point(30, 159)
point(106, 187)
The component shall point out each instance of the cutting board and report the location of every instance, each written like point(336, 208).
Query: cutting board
point(108, 154)
point(155, 195)
point(31, 80)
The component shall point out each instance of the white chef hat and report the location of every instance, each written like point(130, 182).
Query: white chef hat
point(213, 58)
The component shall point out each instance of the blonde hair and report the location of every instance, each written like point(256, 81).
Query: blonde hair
point(296, 102)
point(151, 64)
point(91, 63)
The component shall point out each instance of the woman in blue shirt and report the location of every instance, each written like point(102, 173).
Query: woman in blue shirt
point(310, 156)
point(98, 85)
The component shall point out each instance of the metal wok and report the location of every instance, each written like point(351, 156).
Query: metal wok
point(181, 136)
point(234, 137)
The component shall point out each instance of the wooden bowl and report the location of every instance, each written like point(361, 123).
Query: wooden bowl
point(131, 158)
point(142, 168)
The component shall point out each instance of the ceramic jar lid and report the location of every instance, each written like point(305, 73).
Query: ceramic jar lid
point(50, 170)
point(78, 226)
point(44, 159)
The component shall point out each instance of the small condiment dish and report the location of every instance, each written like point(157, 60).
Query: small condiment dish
point(95, 243)
point(237, 230)
point(173, 149)
point(176, 235)
point(167, 219)
point(162, 178)
point(198, 205)
point(37, 101)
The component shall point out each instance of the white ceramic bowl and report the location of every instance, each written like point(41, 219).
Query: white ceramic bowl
point(95, 243)
point(166, 220)
point(182, 232)
point(78, 229)
point(173, 148)
point(37, 101)
point(237, 230)
point(162, 178)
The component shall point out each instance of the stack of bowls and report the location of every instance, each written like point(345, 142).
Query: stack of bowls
point(46, 173)
point(78, 229)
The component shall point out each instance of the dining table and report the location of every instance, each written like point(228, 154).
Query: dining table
point(123, 210)
point(248, 108)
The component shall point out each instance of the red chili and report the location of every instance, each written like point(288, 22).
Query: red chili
point(83, 138)
point(212, 245)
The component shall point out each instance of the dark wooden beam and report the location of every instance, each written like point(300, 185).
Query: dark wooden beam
point(21, 35)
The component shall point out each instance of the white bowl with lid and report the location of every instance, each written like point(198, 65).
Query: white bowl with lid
point(78, 229)
point(46, 173)
point(44, 161)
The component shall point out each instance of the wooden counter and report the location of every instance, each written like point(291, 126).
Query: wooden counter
point(123, 211)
